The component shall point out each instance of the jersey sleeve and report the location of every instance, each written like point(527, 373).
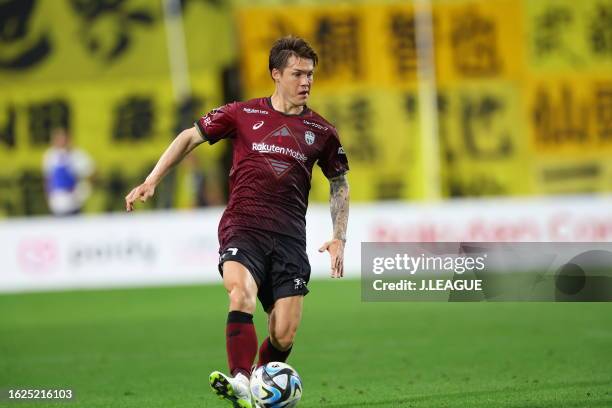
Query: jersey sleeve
point(333, 159)
point(218, 124)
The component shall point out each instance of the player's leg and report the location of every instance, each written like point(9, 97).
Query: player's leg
point(241, 339)
point(283, 322)
point(288, 280)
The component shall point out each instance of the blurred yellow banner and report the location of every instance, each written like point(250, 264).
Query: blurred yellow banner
point(569, 116)
point(523, 90)
point(371, 45)
point(72, 41)
point(379, 132)
point(478, 40)
point(569, 36)
point(124, 128)
point(500, 113)
point(483, 148)
point(101, 70)
point(366, 85)
point(376, 45)
point(584, 174)
point(75, 40)
point(568, 95)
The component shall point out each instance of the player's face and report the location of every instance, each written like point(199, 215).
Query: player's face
point(295, 80)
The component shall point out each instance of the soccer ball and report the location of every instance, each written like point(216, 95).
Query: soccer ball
point(276, 385)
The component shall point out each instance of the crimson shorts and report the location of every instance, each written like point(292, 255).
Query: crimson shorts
point(278, 263)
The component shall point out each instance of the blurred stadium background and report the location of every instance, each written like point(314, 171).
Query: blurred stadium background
point(463, 120)
point(515, 95)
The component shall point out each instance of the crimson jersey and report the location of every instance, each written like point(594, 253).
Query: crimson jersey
point(273, 157)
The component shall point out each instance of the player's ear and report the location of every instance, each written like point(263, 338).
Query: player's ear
point(276, 74)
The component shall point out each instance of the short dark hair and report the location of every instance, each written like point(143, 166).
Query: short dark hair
point(285, 47)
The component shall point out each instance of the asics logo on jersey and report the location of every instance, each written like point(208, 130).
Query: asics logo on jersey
point(258, 125)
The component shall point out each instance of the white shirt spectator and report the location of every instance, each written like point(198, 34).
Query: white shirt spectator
point(66, 179)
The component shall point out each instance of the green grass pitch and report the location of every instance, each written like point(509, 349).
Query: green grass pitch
point(155, 348)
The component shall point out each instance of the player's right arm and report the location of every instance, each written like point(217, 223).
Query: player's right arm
point(184, 143)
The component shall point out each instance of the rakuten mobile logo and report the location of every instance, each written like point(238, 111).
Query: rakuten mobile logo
point(258, 125)
point(266, 148)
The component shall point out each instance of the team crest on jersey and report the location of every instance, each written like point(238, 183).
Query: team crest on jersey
point(309, 137)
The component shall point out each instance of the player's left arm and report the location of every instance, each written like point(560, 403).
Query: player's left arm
point(339, 206)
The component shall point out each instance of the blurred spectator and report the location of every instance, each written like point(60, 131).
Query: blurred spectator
point(202, 185)
point(67, 171)
point(195, 182)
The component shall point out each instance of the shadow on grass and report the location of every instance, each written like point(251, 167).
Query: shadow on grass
point(591, 402)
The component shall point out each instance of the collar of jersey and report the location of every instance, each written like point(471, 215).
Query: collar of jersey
point(303, 112)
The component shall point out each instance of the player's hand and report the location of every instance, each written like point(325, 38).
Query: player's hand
point(142, 193)
point(335, 247)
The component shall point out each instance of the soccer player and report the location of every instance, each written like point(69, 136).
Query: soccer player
point(262, 234)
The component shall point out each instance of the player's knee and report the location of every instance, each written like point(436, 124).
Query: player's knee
point(242, 300)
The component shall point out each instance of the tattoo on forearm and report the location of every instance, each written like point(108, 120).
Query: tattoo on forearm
point(339, 205)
